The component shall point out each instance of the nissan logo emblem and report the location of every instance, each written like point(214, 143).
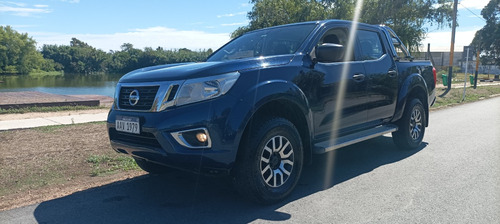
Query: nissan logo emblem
point(133, 99)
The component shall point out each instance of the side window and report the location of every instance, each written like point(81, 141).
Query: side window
point(371, 47)
point(335, 36)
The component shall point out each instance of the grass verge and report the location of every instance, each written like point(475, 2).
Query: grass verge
point(48, 109)
point(454, 97)
point(105, 164)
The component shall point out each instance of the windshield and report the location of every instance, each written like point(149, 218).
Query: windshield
point(268, 42)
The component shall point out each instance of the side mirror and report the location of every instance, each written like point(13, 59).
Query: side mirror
point(329, 52)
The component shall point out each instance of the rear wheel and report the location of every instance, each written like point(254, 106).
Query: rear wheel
point(411, 126)
point(151, 167)
point(271, 162)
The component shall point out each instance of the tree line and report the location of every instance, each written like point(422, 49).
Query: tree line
point(18, 55)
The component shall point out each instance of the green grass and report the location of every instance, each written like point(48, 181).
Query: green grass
point(31, 176)
point(48, 109)
point(104, 164)
point(454, 97)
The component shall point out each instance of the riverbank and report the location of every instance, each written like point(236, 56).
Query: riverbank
point(26, 99)
point(48, 110)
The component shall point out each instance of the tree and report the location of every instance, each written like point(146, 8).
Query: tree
point(487, 39)
point(78, 57)
point(267, 13)
point(410, 17)
point(407, 21)
point(18, 54)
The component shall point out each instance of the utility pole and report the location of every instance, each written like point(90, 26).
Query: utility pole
point(452, 47)
point(477, 68)
point(465, 78)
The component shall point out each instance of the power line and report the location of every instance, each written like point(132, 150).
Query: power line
point(472, 12)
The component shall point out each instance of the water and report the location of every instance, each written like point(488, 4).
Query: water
point(64, 85)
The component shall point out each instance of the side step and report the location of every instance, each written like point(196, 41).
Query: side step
point(330, 145)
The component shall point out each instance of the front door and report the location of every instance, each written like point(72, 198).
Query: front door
point(337, 109)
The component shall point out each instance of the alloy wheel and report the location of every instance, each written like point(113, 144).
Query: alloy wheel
point(276, 161)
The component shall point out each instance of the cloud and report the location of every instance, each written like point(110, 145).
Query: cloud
point(234, 24)
point(440, 41)
point(232, 14)
point(18, 4)
point(154, 37)
point(71, 1)
point(20, 9)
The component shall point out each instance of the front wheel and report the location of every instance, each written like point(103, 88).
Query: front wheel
point(411, 126)
point(271, 162)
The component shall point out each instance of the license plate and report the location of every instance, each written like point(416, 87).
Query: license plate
point(128, 124)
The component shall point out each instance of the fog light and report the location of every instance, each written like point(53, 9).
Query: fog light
point(193, 138)
point(202, 137)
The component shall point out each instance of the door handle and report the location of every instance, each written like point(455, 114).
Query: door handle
point(358, 77)
point(392, 73)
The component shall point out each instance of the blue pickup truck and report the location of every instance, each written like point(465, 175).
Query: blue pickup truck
point(261, 105)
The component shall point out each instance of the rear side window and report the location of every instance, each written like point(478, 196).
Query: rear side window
point(370, 45)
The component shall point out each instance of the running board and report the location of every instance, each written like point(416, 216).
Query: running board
point(330, 145)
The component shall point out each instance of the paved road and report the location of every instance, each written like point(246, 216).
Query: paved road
point(453, 178)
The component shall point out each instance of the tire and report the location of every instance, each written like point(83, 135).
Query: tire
point(271, 162)
point(150, 167)
point(411, 126)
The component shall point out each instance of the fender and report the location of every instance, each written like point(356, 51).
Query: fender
point(413, 82)
point(258, 96)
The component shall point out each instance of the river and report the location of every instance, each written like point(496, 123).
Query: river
point(64, 85)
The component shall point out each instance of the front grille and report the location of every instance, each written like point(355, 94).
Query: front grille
point(145, 138)
point(146, 94)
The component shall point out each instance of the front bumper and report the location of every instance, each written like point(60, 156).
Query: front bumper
point(156, 143)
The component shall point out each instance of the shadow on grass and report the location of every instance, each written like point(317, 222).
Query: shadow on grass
point(186, 198)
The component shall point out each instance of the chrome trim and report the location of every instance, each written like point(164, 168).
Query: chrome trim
point(159, 102)
point(178, 137)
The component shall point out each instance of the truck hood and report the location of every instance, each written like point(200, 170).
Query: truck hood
point(182, 71)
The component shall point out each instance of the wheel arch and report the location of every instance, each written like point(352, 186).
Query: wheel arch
point(413, 87)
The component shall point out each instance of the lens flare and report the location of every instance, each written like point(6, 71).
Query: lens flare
point(329, 173)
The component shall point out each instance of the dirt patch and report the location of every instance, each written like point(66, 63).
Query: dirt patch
point(46, 163)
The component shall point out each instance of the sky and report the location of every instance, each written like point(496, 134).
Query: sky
point(192, 24)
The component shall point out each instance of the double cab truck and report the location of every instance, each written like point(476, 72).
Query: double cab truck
point(260, 106)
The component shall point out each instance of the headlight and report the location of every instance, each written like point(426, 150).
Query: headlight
point(195, 90)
